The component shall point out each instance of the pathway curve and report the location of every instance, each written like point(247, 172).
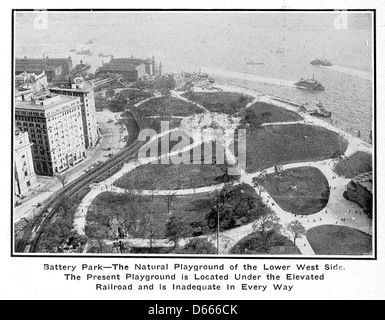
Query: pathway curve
point(337, 212)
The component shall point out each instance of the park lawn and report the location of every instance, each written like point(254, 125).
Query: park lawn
point(267, 113)
point(165, 145)
point(172, 177)
point(169, 106)
point(252, 244)
point(172, 123)
point(357, 163)
point(221, 102)
point(191, 208)
point(339, 240)
point(284, 144)
point(301, 191)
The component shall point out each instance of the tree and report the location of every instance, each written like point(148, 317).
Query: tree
point(198, 246)
point(266, 115)
point(150, 227)
point(169, 200)
point(296, 229)
point(267, 226)
point(62, 179)
point(234, 206)
point(176, 229)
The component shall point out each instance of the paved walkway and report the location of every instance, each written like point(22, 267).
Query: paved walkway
point(338, 211)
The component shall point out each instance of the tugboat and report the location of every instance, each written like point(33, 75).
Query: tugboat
point(84, 52)
point(321, 111)
point(309, 84)
point(91, 41)
point(278, 51)
point(253, 63)
point(104, 55)
point(321, 62)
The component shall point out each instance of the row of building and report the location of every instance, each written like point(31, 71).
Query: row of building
point(53, 130)
point(55, 117)
point(131, 69)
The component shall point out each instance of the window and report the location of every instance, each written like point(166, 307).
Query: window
point(28, 183)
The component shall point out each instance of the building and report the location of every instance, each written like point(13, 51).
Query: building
point(25, 176)
point(84, 90)
point(32, 81)
point(55, 128)
point(132, 69)
point(53, 67)
point(359, 190)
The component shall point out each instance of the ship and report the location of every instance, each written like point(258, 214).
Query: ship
point(321, 62)
point(254, 63)
point(309, 84)
point(86, 52)
point(104, 55)
point(91, 41)
point(279, 50)
point(321, 111)
point(72, 50)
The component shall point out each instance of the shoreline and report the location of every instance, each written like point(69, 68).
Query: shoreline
point(293, 106)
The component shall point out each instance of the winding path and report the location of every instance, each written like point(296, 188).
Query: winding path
point(337, 209)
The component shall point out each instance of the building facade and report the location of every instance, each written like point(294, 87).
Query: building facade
point(131, 69)
point(55, 128)
point(32, 81)
point(25, 176)
point(83, 90)
point(359, 190)
point(53, 67)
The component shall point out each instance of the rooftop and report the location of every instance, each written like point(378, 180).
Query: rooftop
point(84, 86)
point(123, 64)
point(365, 180)
point(45, 103)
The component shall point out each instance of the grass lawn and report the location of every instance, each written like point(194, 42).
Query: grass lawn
point(222, 102)
point(156, 147)
point(252, 244)
point(339, 240)
point(191, 208)
point(169, 106)
point(262, 112)
point(301, 191)
point(172, 177)
point(283, 144)
point(357, 163)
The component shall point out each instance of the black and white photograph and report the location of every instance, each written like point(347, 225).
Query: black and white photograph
point(231, 133)
point(229, 136)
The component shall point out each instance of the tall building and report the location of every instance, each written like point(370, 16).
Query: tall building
point(83, 89)
point(53, 67)
point(55, 128)
point(360, 191)
point(24, 172)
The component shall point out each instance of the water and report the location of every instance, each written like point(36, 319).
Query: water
point(222, 43)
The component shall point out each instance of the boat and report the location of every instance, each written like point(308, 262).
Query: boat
point(91, 41)
point(72, 50)
point(86, 52)
point(254, 63)
point(309, 84)
point(321, 62)
point(104, 55)
point(320, 111)
point(279, 50)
